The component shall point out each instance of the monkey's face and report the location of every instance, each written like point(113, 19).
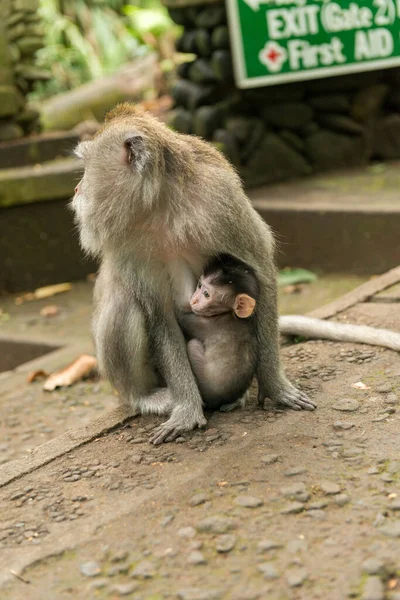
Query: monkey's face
point(209, 300)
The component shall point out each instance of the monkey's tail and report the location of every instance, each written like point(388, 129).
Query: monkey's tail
point(328, 330)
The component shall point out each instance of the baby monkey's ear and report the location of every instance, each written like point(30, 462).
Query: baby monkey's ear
point(244, 306)
point(135, 152)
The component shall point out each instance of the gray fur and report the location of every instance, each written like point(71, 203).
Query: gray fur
point(152, 227)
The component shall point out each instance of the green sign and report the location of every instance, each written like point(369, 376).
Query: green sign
point(278, 41)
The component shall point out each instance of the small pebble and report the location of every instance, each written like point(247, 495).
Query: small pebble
point(373, 589)
point(317, 514)
point(167, 520)
point(373, 471)
point(384, 388)
point(144, 570)
point(98, 584)
point(293, 508)
point(346, 405)
point(391, 399)
point(394, 467)
point(391, 529)
point(268, 570)
point(341, 499)
point(267, 545)
point(296, 491)
point(225, 543)
point(329, 488)
point(196, 558)
point(373, 566)
point(296, 577)
point(248, 501)
point(90, 569)
point(216, 524)
point(342, 425)
point(124, 589)
point(295, 471)
point(270, 459)
point(120, 556)
point(198, 499)
point(187, 532)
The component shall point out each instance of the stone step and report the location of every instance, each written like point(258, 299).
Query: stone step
point(37, 149)
point(338, 222)
point(51, 180)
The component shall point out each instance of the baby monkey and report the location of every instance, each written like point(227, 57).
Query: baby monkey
point(221, 334)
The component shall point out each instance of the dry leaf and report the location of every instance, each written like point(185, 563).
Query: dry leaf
point(51, 290)
point(293, 289)
point(392, 583)
point(43, 292)
point(34, 375)
point(79, 369)
point(360, 386)
point(49, 311)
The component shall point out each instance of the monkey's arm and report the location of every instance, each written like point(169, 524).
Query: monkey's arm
point(194, 326)
point(343, 332)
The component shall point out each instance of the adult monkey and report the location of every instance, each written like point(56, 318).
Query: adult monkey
point(155, 206)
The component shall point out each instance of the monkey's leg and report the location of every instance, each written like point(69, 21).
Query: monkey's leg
point(122, 349)
point(174, 365)
point(271, 379)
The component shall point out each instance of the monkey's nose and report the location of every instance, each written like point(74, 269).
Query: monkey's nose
point(76, 190)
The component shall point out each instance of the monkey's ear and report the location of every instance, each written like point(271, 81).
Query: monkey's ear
point(135, 152)
point(244, 306)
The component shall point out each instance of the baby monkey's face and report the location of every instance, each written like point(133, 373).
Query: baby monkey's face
point(209, 300)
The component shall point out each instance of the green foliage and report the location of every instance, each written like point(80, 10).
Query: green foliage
point(88, 39)
point(294, 276)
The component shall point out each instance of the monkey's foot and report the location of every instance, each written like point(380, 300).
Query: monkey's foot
point(290, 396)
point(178, 423)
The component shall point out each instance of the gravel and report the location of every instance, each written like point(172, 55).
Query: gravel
point(216, 524)
point(373, 589)
point(225, 542)
point(248, 501)
point(346, 405)
point(329, 488)
point(296, 577)
point(270, 459)
point(268, 570)
point(90, 569)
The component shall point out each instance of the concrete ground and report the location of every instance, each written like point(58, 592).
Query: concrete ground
point(263, 504)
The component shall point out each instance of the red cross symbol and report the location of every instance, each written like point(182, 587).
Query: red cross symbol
point(272, 55)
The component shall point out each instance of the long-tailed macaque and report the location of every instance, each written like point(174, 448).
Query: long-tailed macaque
point(156, 206)
point(222, 344)
point(220, 326)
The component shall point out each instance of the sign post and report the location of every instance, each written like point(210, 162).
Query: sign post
point(279, 41)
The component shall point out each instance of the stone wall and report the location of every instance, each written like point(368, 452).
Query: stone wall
point(279, 132)
point(21, 35)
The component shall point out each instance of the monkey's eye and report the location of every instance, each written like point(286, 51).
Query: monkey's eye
point(199, 285)
point(207, 295)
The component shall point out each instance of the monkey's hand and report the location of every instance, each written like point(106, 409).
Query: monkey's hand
point(289, 396)
point(180, 421)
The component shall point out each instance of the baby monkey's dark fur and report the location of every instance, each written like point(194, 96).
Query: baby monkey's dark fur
point(222, 347)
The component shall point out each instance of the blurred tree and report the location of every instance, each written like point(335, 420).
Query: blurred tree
point(86, 39)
